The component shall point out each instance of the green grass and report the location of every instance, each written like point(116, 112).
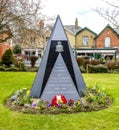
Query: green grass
point(107, 119)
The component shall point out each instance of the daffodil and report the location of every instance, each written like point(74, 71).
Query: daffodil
point(28, 92)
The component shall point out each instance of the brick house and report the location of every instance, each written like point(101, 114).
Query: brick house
point(107, 38)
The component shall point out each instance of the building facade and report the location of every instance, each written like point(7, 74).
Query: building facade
point(85, 38)
point(107, 38)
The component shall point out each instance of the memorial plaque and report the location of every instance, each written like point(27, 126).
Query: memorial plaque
point(58, 72)
point(60, 82)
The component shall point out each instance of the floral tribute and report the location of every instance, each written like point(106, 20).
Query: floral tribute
point(94, 99)
point(58, 100)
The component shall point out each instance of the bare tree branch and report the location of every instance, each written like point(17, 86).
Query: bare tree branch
point(111, 13)
point(18, 16)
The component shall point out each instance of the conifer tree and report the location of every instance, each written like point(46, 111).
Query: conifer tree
point(7, 58)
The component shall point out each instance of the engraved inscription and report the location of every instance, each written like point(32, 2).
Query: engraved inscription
point(60, 81)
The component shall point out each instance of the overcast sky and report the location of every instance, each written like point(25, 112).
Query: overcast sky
point(69, 10)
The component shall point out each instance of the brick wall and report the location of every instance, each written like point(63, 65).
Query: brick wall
point(107, 32)
point(3, 48)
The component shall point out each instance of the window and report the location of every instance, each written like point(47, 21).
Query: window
point(107, 42)
point(85, 40)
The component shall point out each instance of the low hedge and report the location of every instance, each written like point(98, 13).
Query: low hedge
point(97, 69)
point(2, 68)
point(12, 69)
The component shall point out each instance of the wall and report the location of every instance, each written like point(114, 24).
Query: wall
point(79, 38)
point(100, 40)
point(71, 38)
point(3, 48)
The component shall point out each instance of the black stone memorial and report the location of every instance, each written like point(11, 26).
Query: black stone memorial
point(58, 72)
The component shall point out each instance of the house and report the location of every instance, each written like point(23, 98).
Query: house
point(85, 38)
point(108, 41)
point(71, 31)
point(80, 37)
point(35, 43)
point(107, 38)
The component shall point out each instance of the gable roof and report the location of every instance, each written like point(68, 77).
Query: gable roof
point(72, 29)
point(117, 30)
point(85, 28)
point(108, 26)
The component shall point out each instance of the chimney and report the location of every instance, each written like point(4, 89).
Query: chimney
point(41, 24)
point(76, 23)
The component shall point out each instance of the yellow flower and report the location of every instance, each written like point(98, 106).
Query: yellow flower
point(78, 102)
point(28, 92)
point(98, 91)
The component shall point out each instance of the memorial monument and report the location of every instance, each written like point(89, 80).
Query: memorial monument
point(58, 72)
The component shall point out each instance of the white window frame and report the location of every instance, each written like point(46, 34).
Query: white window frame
point(85, 40)
point(107, 42)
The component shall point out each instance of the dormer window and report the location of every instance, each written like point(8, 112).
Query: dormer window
point(107, 42)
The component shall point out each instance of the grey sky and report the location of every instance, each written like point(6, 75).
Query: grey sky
point(81, 9)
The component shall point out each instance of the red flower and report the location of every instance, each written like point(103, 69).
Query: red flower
point(71, 102)
point(58, 99)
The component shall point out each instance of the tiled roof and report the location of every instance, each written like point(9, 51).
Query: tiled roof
point(72, 28)
point(116, 31)
point(85, 28)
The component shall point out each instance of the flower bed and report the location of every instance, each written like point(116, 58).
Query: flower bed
point(94, 99)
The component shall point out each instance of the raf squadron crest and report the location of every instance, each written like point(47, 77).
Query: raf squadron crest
point(59, 47)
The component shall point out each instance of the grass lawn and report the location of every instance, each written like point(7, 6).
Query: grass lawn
point(107, 119)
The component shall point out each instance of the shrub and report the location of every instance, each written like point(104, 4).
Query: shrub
point(117, 64)
point(7, 57)
point(19, 64)
point(17, 49)
point(82, 62)
point(22, 66)
point(31, 69)
point(110, 64)
point(12, 69)
point(82, 69)
point(2, 68)
point(95, 62)
point(33, 60)
point(97, 69)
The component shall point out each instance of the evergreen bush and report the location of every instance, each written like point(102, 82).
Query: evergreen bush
point(97, 69)
point(7, 58)
point(17, 49)
point(2, 68)
point(12, 69)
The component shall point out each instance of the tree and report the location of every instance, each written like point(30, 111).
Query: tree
point(17, 17)
point(110, 13)
point(17, 49)
point(7, 58)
